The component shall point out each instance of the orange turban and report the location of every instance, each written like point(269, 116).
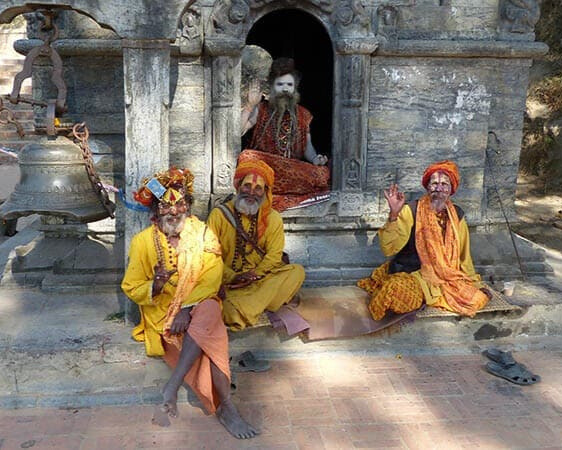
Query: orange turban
point(449, 168)
point(260, 168)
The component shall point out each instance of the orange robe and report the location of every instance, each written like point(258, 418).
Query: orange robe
point(196, 283)
point(447, 278)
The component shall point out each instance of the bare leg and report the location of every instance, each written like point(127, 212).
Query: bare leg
point(190, 351)
point(227, 413)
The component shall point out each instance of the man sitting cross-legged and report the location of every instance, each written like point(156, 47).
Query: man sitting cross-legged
point(252, 240)
point(429, 243)
point(174, 274)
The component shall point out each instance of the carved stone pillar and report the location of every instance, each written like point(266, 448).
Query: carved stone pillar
point(146, 69)
point(352, 85)
point(225, 110)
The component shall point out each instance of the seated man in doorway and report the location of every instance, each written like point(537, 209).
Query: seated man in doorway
point(252, 240)
point(281, 138)
point(174, 275)
point(428, 239)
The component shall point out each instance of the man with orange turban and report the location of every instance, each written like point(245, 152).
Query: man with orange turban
point(429, 243)
point(174, 275)
point(252, 239)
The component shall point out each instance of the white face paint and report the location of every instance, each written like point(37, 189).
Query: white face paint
point(284, 84)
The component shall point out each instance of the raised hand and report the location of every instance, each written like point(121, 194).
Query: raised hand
point(395, 200)
point(254, 93)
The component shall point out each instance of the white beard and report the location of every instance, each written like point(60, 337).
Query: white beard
point(171, 225)
point(248, 209)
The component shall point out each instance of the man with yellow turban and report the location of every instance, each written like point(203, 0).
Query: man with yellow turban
point(429, 243)
point(174, 275)
point(252, 239)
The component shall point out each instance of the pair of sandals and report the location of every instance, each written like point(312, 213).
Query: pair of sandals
point(503, 365)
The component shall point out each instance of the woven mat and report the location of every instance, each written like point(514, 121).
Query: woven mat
point(347, 295)
point(498, 302)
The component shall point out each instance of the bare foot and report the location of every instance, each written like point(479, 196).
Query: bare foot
point(230, 418)
point(160, 416)
point(170, 404)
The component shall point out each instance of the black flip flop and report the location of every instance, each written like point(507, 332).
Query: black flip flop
point(515, 373)
point(247, 362)
point(502, 358)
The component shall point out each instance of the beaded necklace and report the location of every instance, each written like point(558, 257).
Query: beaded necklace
point(284, 134)
point(240, 252)
point(442, 219)
point(172, 253)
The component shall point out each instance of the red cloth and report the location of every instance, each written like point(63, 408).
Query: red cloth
point(264, 132)
point(295, 181)
point(446, 166)
point(209, 332)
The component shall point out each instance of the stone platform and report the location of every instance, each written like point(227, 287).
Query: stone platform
point(69, 350)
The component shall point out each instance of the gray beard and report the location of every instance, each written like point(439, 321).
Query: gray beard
point(171, 229)
point(243, 207)
point(438, 202)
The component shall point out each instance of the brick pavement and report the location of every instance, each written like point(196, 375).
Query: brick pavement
point(333, 401)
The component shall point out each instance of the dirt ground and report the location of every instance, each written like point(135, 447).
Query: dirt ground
point(540, 214)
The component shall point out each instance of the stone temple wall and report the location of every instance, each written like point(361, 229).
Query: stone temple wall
point(415, 81)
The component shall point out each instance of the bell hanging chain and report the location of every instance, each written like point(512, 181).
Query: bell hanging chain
point(48, 33)
point(81, 134)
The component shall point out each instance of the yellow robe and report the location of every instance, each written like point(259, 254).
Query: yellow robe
point(242, 307)
point(137, 283)
point(393, 236)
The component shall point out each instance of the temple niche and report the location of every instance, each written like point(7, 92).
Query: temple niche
point(393, 85)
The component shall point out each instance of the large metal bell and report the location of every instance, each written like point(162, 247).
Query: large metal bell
point(53, 182)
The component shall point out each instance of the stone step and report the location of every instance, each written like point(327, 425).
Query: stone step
point(74, 350)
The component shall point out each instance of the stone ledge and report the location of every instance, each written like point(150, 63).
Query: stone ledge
point(79, 359)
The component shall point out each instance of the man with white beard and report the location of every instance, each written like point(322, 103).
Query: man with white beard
point(281, 138)
point(174, 275)
point(252, 239)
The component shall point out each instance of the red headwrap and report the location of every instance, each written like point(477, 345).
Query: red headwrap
point(449, 168)
point(260, 168)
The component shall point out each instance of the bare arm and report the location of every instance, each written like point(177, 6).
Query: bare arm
point(249, 114)
point(311, 156)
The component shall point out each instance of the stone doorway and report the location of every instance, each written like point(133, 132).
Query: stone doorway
point(308, 43)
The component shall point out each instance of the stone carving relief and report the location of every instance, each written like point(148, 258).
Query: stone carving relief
point(351, 18)
point(224, 176)
point(387, 20)
point(323, 5)
point(519, 16)
point(353, 80)
point(189, 35)
point(223, 82)
point(350, 204)
point(230, 18)
point(352, 174)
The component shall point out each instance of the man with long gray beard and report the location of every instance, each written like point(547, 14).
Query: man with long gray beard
point(174, 275)
point(252, 239)
point(281, 138)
